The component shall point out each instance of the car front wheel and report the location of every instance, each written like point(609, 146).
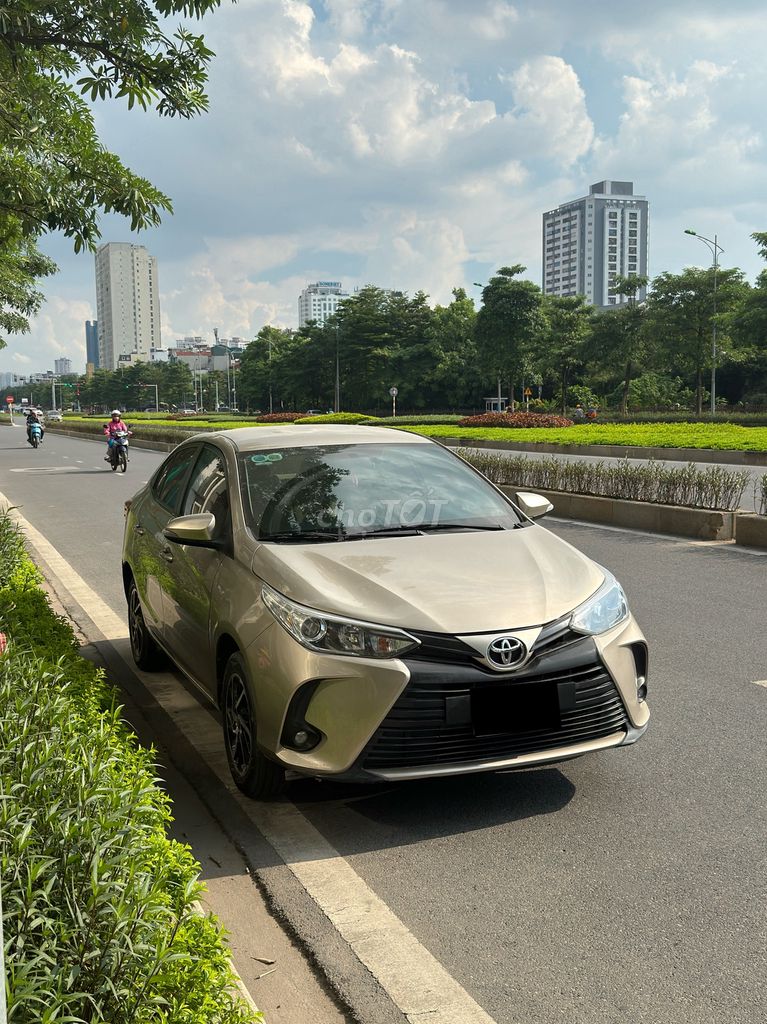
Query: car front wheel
point(254, 774)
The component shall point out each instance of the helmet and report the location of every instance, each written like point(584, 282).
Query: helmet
point(115, 412)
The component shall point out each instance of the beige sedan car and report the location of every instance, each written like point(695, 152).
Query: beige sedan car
point(363, 605)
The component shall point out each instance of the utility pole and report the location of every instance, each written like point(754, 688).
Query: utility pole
point(715, 248)
point(337, 402)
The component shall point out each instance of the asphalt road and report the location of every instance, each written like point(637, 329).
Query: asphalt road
point(630, 885)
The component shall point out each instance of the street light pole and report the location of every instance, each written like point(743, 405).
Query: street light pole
point(337, 402)
point(715, 249)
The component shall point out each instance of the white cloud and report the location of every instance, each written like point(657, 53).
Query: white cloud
point(412, 144)
point(552, 108)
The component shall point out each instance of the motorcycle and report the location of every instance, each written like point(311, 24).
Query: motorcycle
point(118, 450)
point(35, 434)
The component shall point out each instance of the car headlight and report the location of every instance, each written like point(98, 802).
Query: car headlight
point(331, 634)
point(603, 610)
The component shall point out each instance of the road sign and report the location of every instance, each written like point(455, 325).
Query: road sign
point(528, 392)
point(9, 399)
point(393, 392)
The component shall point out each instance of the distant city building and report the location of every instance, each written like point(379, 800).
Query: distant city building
point(62, 367)
point(319, 301)
point(127, 304)
point(92, 342)
point(588, 241)
point(9, 380)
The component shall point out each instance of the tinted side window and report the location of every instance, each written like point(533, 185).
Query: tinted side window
point(169, 483)
point(207, 491)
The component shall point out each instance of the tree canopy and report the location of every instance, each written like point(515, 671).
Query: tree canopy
point(55, 174)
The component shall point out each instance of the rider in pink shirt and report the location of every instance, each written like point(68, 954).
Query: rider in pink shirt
point(111, 428)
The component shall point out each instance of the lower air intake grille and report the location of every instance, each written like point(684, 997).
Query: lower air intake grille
point(417, 733)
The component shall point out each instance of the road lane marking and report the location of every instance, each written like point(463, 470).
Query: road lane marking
point(411, 976)
point(761, 682)
point(45, 469)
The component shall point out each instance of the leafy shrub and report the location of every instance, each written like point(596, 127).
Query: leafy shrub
point(99, 905)
point(415, 419)
point(515, 420)
point(336, 417)
point(279, 417)
point(689, 486)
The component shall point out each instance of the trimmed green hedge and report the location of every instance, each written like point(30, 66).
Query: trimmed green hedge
point(99, 905)
point(687, 486)
point(720, 436)
point(337, 417)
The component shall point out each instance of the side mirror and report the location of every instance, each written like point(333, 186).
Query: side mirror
point(533, 505)
point(194, 531)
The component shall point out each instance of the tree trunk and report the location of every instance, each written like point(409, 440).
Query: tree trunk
point(564, 391)
point(699, 391)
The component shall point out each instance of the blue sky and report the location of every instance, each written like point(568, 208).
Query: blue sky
point(414, 144)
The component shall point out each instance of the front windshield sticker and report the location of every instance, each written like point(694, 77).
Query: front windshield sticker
point(271, 457)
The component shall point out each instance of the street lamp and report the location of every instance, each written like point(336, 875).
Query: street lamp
point(715, 248)
point(337, 394)
point(156, 395)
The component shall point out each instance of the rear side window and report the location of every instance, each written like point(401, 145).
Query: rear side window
point(170, 482)
point(207, 491)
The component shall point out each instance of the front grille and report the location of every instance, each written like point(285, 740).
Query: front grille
point(448, 649)
point(420, 730)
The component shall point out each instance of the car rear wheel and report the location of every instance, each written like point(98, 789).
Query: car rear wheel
point(146, 653)
point(254, 774)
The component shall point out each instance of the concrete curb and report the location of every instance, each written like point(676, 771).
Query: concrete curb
point(703, 524)
point(614, 451)
point(152, 446)
point(751, 530)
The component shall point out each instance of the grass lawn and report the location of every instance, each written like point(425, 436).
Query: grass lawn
point(722, 436)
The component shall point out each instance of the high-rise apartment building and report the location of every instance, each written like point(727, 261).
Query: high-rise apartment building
point(127, 304)
point(62, 366)
point(319, 301)
point(92, 343)
point(588, 241)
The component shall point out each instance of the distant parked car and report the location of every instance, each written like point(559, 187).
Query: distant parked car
point(54, 416)
point(314, 412)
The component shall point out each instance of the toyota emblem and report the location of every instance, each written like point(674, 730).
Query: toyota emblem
point(506, 651)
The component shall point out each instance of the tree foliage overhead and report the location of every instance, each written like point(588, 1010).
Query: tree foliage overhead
point(510, 320)
point(55, 175)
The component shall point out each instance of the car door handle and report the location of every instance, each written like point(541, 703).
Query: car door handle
point(167, 554)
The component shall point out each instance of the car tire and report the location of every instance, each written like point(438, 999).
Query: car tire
point(146, 652)
point(253, 773)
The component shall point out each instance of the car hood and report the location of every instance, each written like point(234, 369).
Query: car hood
point(447, 583)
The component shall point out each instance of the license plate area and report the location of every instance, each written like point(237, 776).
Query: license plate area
point(515, 708)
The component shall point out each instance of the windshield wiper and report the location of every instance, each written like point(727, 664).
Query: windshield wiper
point(417, 531)
point(310, 536)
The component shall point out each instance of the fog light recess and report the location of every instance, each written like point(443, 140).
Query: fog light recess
point(297, 733)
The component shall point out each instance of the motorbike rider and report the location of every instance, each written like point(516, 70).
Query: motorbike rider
point(32, 417)
point(112, 428)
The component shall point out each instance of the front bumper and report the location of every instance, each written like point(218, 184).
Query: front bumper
point(416, 718)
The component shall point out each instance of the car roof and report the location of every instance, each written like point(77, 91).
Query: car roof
point(298, 436)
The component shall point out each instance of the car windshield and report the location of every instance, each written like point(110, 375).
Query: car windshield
point(348, 492)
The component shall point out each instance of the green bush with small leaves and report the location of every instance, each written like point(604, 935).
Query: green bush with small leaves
point(335, 417)
point(100, 913)
point(688, 486)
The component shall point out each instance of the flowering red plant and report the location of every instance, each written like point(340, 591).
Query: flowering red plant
point(515, 419)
